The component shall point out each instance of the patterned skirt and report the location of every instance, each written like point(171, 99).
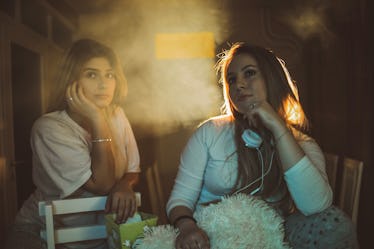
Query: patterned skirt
point(330, 229)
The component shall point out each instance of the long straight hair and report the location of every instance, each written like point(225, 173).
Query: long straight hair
point(69, 71)
point(282, 96)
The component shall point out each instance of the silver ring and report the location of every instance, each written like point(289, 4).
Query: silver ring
point(70, 99)
point(252, 106)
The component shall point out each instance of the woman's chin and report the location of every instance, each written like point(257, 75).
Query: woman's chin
point(102, 104)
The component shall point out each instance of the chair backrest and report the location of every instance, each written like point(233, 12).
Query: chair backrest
point(350, 189)
point(53, 235)
point(156, 193)
point(332, 169)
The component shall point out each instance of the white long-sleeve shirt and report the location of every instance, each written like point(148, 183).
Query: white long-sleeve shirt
point(208, 170)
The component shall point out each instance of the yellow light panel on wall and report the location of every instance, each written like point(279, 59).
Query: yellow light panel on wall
point(185, 45)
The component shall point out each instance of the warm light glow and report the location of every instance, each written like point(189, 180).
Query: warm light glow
point(168, 52)
point(289, 79)
point(185, 45)
point(294, 112)
point(292, 107)
point(307, 23)
point(310, 21)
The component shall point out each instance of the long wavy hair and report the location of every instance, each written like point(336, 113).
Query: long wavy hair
point(69, 71)
point(71, 65)
point(283, 97)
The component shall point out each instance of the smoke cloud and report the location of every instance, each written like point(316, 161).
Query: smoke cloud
point(164, 95)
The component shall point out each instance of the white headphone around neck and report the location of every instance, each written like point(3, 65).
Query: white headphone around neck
point(254, 141)
point(251, 139)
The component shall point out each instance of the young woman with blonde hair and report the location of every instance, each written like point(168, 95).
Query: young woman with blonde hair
point(84, 146)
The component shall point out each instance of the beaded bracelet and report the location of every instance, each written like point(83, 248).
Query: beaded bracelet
point(99, 140)
point(183, 217)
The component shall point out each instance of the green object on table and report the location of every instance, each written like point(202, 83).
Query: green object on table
point(122, 236)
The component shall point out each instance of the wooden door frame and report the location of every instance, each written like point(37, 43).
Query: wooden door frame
point(14, 32)
point(8, 193)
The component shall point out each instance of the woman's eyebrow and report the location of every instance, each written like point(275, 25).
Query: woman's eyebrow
point(90, 69)
point(248, 66)
point(243, 69)
point(96, 69)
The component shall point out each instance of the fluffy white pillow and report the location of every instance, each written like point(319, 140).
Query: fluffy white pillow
point(238, 222)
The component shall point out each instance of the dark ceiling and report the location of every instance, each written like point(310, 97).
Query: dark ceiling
point(89, 6)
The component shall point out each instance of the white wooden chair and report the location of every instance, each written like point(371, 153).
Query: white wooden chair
point(53, 235)
point(350, 189)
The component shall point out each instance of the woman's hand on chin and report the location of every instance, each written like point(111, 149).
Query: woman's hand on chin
point(78, 103)
point(264, 114)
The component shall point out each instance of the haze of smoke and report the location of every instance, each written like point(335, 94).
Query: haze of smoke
point(163, 94)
